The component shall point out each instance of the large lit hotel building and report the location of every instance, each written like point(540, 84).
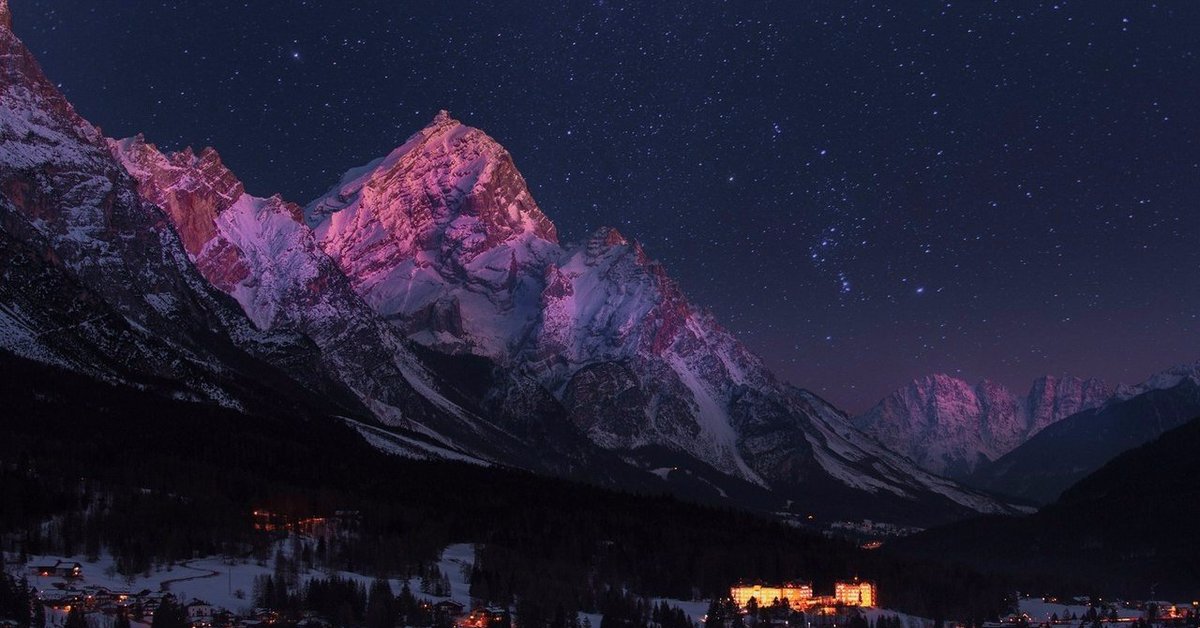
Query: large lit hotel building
point(799, 595)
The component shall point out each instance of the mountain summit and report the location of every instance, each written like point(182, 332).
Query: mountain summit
point(949, 426)
point(425, 300)
point(442, 238)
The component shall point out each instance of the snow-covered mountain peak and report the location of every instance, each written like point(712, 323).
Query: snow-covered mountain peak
point(948, 426)
point(443, 237)
point(449, 181)
point(442, 120)
point(607, 242)
point(438, 242)
point(608, 236)
point(99, 281)
point(1161, 381)
point(939, 386)
point(193, 189)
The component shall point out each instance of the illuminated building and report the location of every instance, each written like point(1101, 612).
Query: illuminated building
point(799, 595)
point(313, 526)
point(796, 593)
point(855, 593)
point(486, 618)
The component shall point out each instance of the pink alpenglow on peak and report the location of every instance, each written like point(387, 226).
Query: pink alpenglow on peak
point(260, 252)
point(130, 257)
point(244, 245)
point(949, 426)
point(443, 237)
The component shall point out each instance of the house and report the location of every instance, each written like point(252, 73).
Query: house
point(62, 602)
point(199, 609)
point(491, 617)
point(448, 608)
point(42, 570)
point(60, 569)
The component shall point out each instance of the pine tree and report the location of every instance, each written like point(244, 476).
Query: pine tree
point(169, 614)
point(76, 618)
point(381, 605)
point(715, 618)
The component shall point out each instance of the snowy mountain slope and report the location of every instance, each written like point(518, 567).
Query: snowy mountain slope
point(610, 312)
point(1063, 453)
point(95, 280)
point(950, 427)
point(1162, 380)
point(159, 271)
point(260, 251)
point(443, 239)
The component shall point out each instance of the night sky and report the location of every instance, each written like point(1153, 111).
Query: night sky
point(864, 193)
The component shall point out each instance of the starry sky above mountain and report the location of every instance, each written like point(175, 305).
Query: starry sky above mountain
point(864, 193)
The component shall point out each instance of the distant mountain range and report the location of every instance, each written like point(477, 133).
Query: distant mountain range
point(1127, 528)
point(1064, 453)
point(425, 300)
point(1031, 447)
point(950, 427)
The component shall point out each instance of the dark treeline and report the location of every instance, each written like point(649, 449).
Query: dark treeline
point(724, 613)
point(17, 602)
point(155, 480)
point(620, 610)
point(1128, 530)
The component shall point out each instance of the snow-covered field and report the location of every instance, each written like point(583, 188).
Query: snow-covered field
point(218, 580)
point(909, 621)
point(1040, 610)
point(229, 583)
point(697, 609)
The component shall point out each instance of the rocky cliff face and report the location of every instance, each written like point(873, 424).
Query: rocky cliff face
point(260, 252)
point(426, 298)
point(95, 279)
point(1162, 380)
point(950, 427)
point(1068, 450)
point(443, 239)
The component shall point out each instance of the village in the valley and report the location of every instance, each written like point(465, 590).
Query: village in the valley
point(236, 592)
point(217, 593)
point(857, 602)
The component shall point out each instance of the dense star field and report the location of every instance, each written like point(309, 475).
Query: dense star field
point(863, 193)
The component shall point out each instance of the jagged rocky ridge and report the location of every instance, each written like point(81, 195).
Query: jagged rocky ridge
point(93, 279)
point(259, 251)
point(443, 239)
point(1065, 452)
point(98, 278)
point(950, 427)
point(160, 272)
